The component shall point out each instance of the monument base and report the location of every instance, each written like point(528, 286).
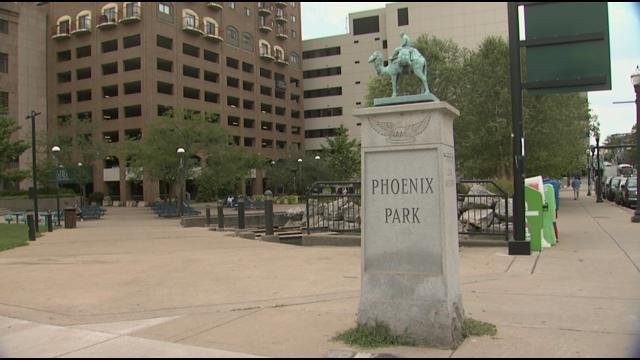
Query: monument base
point(405, 99)
point(410, 279)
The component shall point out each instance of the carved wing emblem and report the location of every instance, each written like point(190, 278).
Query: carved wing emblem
point(398, 132)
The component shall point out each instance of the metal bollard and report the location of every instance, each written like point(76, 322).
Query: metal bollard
point(241, 214)
point(268, 213)
point(49, 218)
point(220, 216)
point(32, 227)
point(208, 215)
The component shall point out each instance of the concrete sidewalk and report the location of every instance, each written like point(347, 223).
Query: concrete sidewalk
point(135, 285)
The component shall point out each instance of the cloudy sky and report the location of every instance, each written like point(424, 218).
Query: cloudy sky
point(326, 19)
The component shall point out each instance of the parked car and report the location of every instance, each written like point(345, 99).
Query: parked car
point(630, 192)
point(618, 191)
point(606, 188)
point(613, 189)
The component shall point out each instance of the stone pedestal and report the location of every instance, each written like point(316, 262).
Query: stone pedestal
point(410, 279)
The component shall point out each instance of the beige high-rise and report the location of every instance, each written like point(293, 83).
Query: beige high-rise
point(122, 64)
point(23, 71)
point(336, 71)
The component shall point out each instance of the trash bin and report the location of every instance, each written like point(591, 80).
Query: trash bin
point(70, 218)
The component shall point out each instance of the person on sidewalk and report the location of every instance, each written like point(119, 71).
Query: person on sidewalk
point(575, 184)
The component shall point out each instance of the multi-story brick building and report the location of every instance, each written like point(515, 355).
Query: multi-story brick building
point(120, 65)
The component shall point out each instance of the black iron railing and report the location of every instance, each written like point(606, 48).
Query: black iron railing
point(333, 206)
point(484, 209)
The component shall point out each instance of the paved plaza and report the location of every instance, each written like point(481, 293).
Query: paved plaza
point(135, 285)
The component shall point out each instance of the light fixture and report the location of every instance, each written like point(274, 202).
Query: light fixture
point(180, 150)
point(317, 157)
point(55, 149)
point(299, 160)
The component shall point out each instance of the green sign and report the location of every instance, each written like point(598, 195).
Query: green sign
point(567, 47)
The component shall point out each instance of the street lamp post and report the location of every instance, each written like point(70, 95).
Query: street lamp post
point(635, 80)
point(300, 176)
point(599, 174)
point(588, 174)
point(82, 185)
point(593, 153)
point(55, 150)
point(180, 152)
point(32, 116)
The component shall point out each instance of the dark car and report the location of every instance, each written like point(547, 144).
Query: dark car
point(618, 191)
point(613, 188)
point(606, 188)
point(630, 192)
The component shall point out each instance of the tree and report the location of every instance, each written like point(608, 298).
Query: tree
point(289, 175)
point(10, 150)
point(200, 136)
point(342, 155)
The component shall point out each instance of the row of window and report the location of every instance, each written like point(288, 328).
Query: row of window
point(334, 91)
point(107, 69)
point(309, 74)
point(106, 47)
point(311, 54)
point(316, 113)
point(320, 133)
point(133, 87)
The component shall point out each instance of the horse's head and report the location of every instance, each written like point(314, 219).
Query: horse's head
point(375, 56)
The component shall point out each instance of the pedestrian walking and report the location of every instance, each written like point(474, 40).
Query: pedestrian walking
point(575, 184)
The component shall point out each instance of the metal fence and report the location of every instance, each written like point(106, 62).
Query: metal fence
point(483, 211)
point(333, 206)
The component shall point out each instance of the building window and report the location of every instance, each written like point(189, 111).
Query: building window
point(232, 36)
point(295, 130)
point(191, 93)
point(211, 76)
point(133, 134)
point(81, 74)
point(249, 142)
point(265, 108)
point(131, 64)
point(191, 71)
point(133, 87)
point(162, 109)
point(310, 54)
point(247, 86)
point(366, 25)
point(281, 128)
point(247, 104)
point(384, 44)
point(334, 91)
point(132, 111)
point(110, 45)
point(164, 9)
point(233, 101)
point(4, 26)
point(211, 117)
point(85, 116)
point(109, 91)
point(211, 56)
point(293, 18)
point(293, 34)
point(403, 16)
point(247, 11)
point(308, 74)
point(233, 121)
point(266, 125)
point(211, 97)
point(210, 27)
point(280, 111)
point(4, 62)
point(62, 56)
point(267, 143)
point(294, 58)
point(249, 123)
point(246, 67)
point(231, 4)
point(265, 73)
point(83, 51)
point(233, 82)
point(247, 41)
point(232, 63)
point(64, 77)
point(63, 120)
point(320, 133)
point(165, 88)
point(316, 113)
point(111, 137)
point(110, 68)
point(4, 101)
point(110, 114)
point(265, 90)
point(164, 42)
point(189, 49)
point(131, 41)
point(110, 14)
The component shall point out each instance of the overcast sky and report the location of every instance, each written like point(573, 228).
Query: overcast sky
point(326, 19)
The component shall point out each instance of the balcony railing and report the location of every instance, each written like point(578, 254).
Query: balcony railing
point(192, 25)
point(281, 4)
point(264, 9)
point(83, 26)
point(281, 59)
point(212, 34)
point(132, 13)
point(61, 31)
point(214, 5)
point(107, 20)
point(265, 25)
point(281, 16)
point(266, 54)
point(281, 32)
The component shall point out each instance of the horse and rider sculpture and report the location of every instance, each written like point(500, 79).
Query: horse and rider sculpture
point(405, 59)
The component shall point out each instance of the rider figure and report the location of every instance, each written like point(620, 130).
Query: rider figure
point(405, 45)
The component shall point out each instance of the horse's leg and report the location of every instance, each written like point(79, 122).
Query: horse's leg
point(394, 82)
point(420, 69)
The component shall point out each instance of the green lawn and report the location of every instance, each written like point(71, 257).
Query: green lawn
point(13, 235)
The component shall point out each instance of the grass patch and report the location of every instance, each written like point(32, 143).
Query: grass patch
point(13, 235)
point(472, 327)
point(372, 337)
